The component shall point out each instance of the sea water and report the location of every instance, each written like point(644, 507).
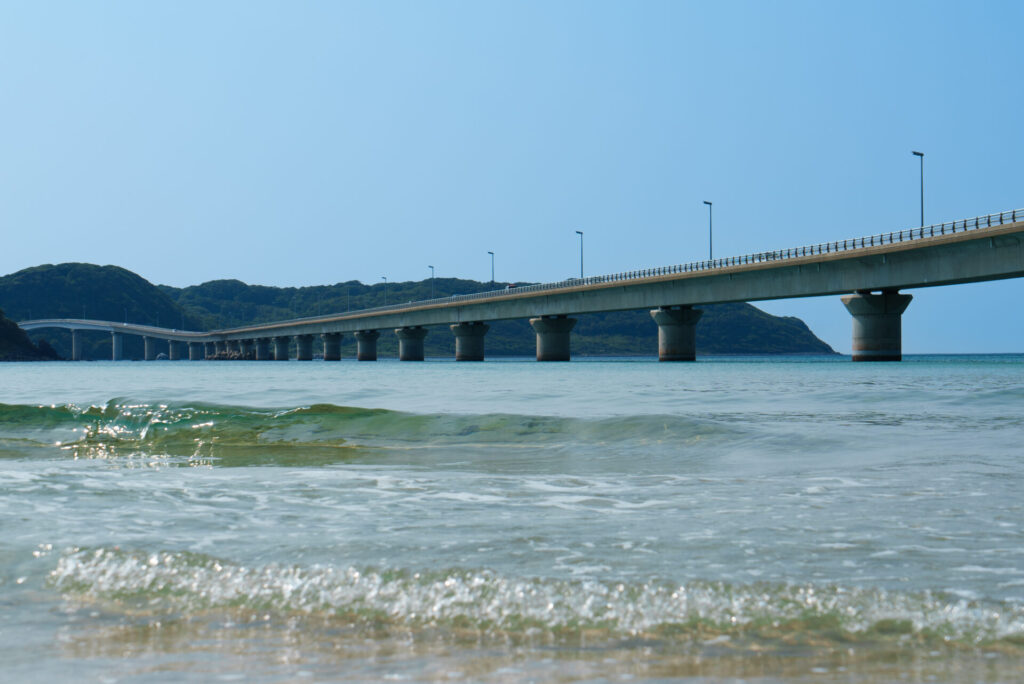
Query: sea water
point(760, 519)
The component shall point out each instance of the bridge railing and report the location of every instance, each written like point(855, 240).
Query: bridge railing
point(860, 243)
point(879, 239)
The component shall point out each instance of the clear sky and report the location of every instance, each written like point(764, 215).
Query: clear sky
point(300, 143)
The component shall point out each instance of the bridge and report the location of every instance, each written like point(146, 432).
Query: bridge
point(867, 272)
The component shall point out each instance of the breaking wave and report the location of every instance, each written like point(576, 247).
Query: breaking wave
point(186, 584)
point(210, 431)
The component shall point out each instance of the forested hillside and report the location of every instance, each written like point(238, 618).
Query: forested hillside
point(74, 290)
point(15, 344)
point(113, 293)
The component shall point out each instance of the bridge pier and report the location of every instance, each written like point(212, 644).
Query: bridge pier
point(877, 325)
point(249, 348)
point(149, 346)
point(76, 346)
point(196, 351)
point(677, 332)
point(332, 346)
point(410, 343)
point(174, 352)
point(262, 348)
point(281, 348)
point(469, 340)
point(552, 337)
point(220, 347)
point(304, 347)
point(366, 345)
point(235, 346)
point(116, 346)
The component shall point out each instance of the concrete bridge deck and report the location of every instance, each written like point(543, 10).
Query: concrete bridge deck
point(970, 250)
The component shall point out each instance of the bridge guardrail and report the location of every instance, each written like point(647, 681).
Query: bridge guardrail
point(907, 235)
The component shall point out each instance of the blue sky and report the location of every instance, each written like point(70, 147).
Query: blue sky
point(298, 143)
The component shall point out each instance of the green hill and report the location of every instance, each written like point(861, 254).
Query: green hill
point(76, 290)
point(113, 293)
point(15, 344)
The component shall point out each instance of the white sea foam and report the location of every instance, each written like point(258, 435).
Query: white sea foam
point(184, 583)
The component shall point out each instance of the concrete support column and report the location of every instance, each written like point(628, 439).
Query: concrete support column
point(332, 346)
point(281, 348)
point(149, 344)
point(410, 343)
point(366, 345)
point(304, 347)
point(877, 330)
point(469, 340)
point(220, 347)
point(249, 348)
point(552, 337)
point(76, 346)
point(677, 332)
point(116, 346)
point(196, 351)
point(209, 349)
point(174, 350)
point(263, 349)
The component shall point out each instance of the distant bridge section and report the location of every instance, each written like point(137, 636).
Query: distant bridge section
point(868, 271)
point(150, 334)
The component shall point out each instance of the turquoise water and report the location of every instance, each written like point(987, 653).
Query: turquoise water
point(752, 519)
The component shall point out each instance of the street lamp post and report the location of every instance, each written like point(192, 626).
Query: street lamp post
point(385, 279)
point(580, 233)
point(710, 251)
point(492, 268)
point(921, 155)
point(431, 281)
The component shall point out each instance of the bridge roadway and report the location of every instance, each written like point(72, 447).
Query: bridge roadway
point(868, 271)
